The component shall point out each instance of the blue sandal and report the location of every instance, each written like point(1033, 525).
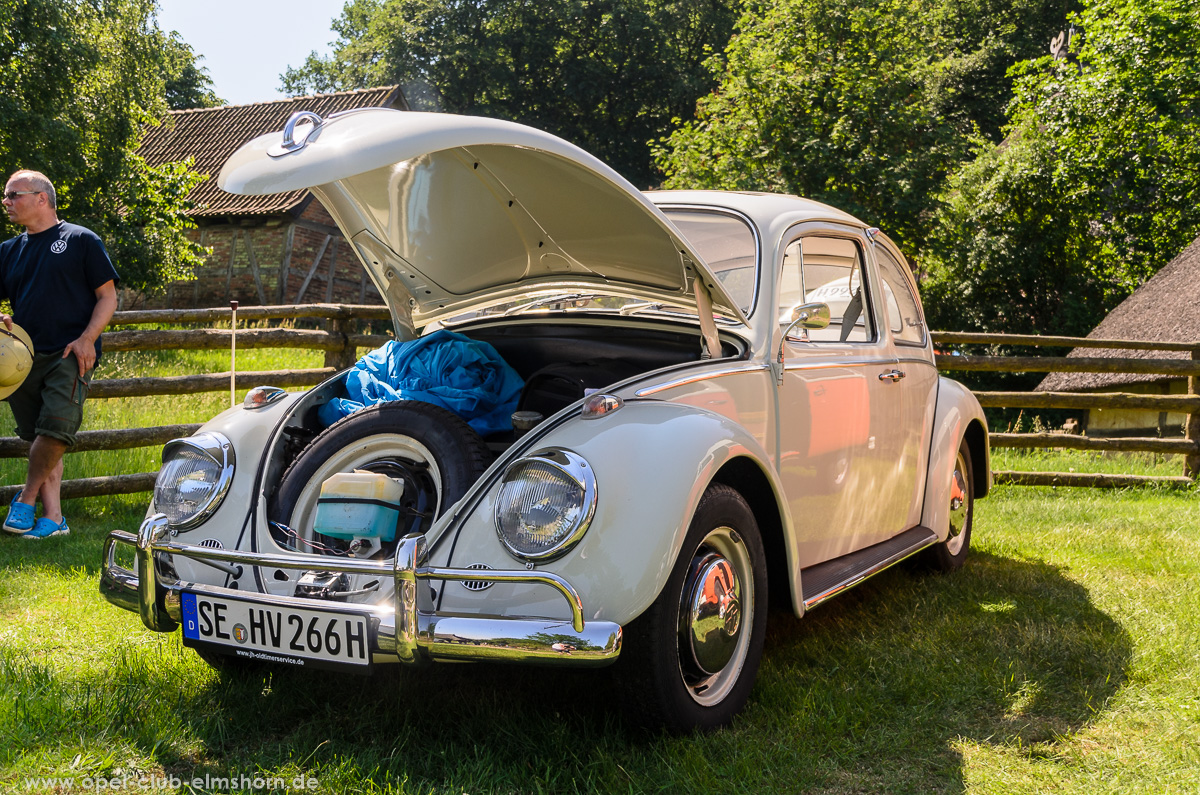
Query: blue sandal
point(44, 528)
point(20, 517)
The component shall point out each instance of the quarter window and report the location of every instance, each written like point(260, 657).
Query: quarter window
point(903, 312)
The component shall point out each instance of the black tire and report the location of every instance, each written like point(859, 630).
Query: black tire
point(435, 453)
point(668, 677)
point(949, 555)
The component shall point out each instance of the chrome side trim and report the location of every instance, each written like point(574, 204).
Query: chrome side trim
point(704, 376)
point(865, 574)
point(915, 360)
point(412, 631)
point(827, 365)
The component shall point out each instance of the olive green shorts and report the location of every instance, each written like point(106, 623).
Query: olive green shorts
point(50, 401)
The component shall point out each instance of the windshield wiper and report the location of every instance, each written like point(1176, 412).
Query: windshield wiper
point(547, 301)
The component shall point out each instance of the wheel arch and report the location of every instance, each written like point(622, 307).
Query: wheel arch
point(981, 464)
point(957, 416)
point(747, 477)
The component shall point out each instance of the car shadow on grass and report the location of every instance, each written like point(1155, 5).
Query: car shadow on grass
point(870, 693)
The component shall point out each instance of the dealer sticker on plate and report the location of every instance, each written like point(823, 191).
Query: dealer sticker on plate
point(277, 634)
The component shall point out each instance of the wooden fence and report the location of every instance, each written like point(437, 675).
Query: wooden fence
point(340, 340)
point(1188, 404)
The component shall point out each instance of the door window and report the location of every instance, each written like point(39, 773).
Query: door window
point(829, 270)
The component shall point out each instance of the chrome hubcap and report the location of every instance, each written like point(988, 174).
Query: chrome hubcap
point(714, 614)
point(959, 506)
point(714, 637)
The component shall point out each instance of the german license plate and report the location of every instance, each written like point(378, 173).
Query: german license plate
point(288, 635)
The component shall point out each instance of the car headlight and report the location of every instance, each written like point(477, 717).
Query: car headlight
point(195, 475)
point(546, 502)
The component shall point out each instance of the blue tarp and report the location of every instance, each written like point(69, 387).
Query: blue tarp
point(446, 369)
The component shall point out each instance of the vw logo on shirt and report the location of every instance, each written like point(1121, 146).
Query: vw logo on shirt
point(58, 246)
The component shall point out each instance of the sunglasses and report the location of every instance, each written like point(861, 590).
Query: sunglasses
point(13, 194)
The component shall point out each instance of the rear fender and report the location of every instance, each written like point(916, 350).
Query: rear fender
point(958, 415)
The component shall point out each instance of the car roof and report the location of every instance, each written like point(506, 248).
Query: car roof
point(767, 210)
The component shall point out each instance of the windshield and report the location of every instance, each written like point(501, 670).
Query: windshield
point(725, 242)
point(728, 247)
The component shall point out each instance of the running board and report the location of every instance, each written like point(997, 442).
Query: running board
point(826, 580)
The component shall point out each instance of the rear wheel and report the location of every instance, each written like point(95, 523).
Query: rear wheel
point(690, 660)
point(950, 554)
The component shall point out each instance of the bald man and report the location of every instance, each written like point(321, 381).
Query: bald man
point(62, 287)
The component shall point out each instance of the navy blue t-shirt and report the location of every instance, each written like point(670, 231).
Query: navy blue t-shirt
point(51, 280)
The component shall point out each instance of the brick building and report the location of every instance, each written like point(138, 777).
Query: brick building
point(277, 249)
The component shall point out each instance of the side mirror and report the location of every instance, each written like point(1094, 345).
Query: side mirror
point(808, 316)
point(805, 316)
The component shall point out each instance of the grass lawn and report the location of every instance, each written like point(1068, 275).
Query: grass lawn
point(1064, 658)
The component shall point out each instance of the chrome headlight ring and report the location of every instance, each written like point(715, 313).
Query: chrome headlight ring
point(546, 502)
point(194, 478)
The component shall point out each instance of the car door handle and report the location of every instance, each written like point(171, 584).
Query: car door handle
point(891, 375)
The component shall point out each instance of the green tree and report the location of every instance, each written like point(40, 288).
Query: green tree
point(608, 75)
point(78, 80)
point(1095, 188)
point(866, 107)
point(187, 84)
point(825, 99)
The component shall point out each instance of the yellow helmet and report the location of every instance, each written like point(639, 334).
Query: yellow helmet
point(16, 358)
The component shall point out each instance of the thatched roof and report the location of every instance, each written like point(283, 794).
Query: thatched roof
point(1164, 309)
point(210, 135)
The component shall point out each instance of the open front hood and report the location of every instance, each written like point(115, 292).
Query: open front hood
point(450, 213)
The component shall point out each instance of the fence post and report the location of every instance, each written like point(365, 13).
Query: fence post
point(347, 355)
point(1191, 466)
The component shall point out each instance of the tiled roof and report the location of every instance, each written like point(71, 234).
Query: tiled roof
point(210, 135)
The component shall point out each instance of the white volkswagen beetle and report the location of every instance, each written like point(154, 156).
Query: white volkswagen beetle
point(727, 396)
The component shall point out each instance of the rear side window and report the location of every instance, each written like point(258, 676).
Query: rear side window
point(900, 305)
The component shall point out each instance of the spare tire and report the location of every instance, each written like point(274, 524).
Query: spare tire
point(433, 451)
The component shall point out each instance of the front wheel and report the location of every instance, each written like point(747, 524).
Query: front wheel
point(690, 660)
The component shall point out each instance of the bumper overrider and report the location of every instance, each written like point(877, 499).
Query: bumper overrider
point(409, 631)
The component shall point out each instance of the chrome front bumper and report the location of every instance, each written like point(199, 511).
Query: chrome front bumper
point(410, 631)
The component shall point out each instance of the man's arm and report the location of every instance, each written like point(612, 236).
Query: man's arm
point(84, 348)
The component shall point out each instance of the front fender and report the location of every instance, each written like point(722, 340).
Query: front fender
point(652, 462)
point(249, 431)
point(958, 415)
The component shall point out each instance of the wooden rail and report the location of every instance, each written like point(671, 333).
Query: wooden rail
point(340, 341)
point(1189, 404)
point(1063, 364)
